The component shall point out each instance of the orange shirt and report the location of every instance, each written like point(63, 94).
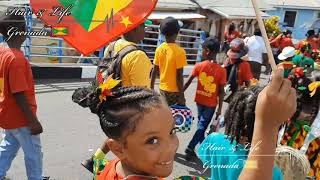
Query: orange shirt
point(15, 76)
point(232, 36)
point(110, 173)
point(211, 76)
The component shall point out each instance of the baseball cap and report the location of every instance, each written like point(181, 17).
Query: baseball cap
point(286, 53)
point(237, 49)
point(212, 43)
point(170, 26)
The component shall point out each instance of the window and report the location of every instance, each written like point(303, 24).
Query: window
point(318, 15)
point(290, 18)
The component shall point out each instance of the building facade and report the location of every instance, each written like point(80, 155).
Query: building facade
point(297, 15)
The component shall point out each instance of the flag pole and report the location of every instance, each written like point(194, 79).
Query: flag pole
point(264, 34)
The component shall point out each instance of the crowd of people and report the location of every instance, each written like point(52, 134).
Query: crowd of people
point(137, 120)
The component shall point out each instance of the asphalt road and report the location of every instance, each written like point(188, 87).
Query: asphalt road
point(72, 133)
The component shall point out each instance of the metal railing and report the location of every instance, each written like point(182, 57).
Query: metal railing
point(190, 40)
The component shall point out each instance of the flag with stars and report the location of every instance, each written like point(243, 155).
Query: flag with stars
point(100, 11)
point(93, 24)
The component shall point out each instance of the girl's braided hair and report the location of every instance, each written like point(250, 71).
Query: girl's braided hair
point(119, 113)
point(240, 116)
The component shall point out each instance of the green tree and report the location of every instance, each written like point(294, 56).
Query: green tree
point(272, 25)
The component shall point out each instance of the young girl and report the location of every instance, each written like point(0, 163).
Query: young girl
point(140, 129)
point(226, 154)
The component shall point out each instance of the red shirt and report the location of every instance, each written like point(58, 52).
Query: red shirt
point(211, 76)
point(244, 73)
point(318, 42)
point(285, 42)
point(275, 44)
point(232, 36)
point(110, 173)
point(313, 43)
point(15, 76)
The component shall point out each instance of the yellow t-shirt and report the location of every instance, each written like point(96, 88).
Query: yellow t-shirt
point(169, 57)
point(135, 66)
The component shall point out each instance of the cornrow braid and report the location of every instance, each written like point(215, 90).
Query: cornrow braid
point(240, 116)
point(120, 113)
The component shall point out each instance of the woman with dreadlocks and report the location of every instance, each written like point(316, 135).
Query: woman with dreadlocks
point(297, 128)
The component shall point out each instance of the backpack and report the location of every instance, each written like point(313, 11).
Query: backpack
point(111, 65)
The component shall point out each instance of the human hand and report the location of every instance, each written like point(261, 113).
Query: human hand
point(280, 35)
point(181, 100)
point(277, 102)
point(35, 128)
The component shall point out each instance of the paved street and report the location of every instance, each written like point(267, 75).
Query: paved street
point(72, 133)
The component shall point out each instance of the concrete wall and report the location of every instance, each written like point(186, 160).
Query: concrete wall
point(304, 20)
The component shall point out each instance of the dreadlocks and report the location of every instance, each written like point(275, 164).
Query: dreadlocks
point(240, 115)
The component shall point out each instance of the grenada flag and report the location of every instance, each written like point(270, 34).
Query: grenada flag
point(92, 24)
point(59, 31)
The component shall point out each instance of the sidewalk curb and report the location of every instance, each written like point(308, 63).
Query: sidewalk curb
point(73, 71)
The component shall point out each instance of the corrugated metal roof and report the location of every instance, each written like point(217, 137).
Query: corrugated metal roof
point(239, 13)
point(13, 2)
point(5, 4)
point(206, 4)
point(178, 15)
point(299, 4)
point(176, 4)
point(162, 4)
point(233, 9)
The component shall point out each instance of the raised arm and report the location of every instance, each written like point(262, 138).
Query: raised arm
point(276, 103)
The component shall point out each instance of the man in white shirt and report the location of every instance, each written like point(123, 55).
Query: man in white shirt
point(257, 54)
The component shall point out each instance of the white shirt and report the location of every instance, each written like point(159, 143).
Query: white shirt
point(256, 47)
